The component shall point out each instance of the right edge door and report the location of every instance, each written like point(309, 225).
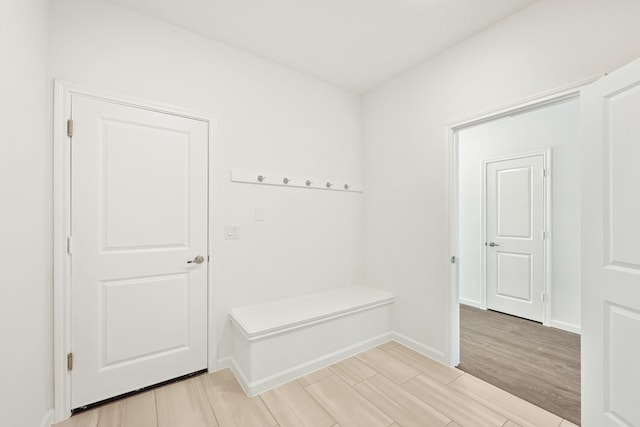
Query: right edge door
point(610, 137)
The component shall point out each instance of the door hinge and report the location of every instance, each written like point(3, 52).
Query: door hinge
point(70, 361)
point(543, 297)
point(544, 235)
point(544, 173)
point(70, 128)
point(208, 258)
point(453, 259)
point(69, 245)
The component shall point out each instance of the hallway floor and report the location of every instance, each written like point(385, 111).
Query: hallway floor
point(390, 385)
point(536, 363)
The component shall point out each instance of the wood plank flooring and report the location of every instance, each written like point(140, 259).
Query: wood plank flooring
point(390, 385)
point(536, 363)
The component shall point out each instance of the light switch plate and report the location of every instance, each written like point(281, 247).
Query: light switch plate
point(231, 232)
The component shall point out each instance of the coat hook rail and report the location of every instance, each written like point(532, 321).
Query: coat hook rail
point(286, 180)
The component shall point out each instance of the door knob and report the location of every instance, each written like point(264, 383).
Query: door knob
point(492, 244)
point(197, 260)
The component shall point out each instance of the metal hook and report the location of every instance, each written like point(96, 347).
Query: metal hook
point(347, 186)
point(329, 184)
point(261, 178)
point(308, 182)
point(286, 180)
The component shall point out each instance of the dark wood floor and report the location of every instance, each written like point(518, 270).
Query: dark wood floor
point(534, 362)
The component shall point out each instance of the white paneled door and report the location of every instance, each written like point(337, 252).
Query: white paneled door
point(514, 236)
point(610, 135)
point(138, 248)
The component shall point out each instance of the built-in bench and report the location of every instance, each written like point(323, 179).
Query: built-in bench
point(278, 341)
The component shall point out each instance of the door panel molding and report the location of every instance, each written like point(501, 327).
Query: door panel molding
point(63, 246)
point(505, 291)
point(514, 231)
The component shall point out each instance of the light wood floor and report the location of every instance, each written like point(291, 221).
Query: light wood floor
point(532, 361)
point(390, 385)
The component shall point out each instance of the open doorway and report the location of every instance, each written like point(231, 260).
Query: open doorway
point(518, 242)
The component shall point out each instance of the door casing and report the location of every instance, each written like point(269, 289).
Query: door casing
point(546, 200)
point(62, 228)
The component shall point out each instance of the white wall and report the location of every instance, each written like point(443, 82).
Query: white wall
point(26, 378)
point(550, 44)
point(555, 127)
point(269, 119)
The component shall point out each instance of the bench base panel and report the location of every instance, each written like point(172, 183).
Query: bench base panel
point(262, 364)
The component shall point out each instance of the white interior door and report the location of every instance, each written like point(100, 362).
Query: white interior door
point(138, 214)
point(514, 231)
point(610, 135)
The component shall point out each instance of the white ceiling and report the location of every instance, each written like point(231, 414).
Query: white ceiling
point(355, 44)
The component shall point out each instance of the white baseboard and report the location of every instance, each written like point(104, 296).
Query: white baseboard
point(242, 379)
point(471, 303)
point(47, 419)
point(419, 347)
point(224, 363)
point(257, 387)
point(565, 326)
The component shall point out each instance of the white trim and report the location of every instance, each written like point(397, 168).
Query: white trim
point(546, 226)
point(451, 249)
point(548, 235)
point(241, 377)
point(257, 387)
point(472, 303)
point(552, 96)
point(62, 228)
point(569, 327)
point(452, 326)
point(212, 354)
point(61, 260)
point(223, 363)
point(419, 347)
point(304, 323)
point(47, 419)
point(282, 377)
point(483, 233)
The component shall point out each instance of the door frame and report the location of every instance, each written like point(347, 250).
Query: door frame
point(451, 194)
point(63, 92)
point(547, 227)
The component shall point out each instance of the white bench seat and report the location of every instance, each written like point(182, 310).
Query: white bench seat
point(278, 341)
point(262, 320)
